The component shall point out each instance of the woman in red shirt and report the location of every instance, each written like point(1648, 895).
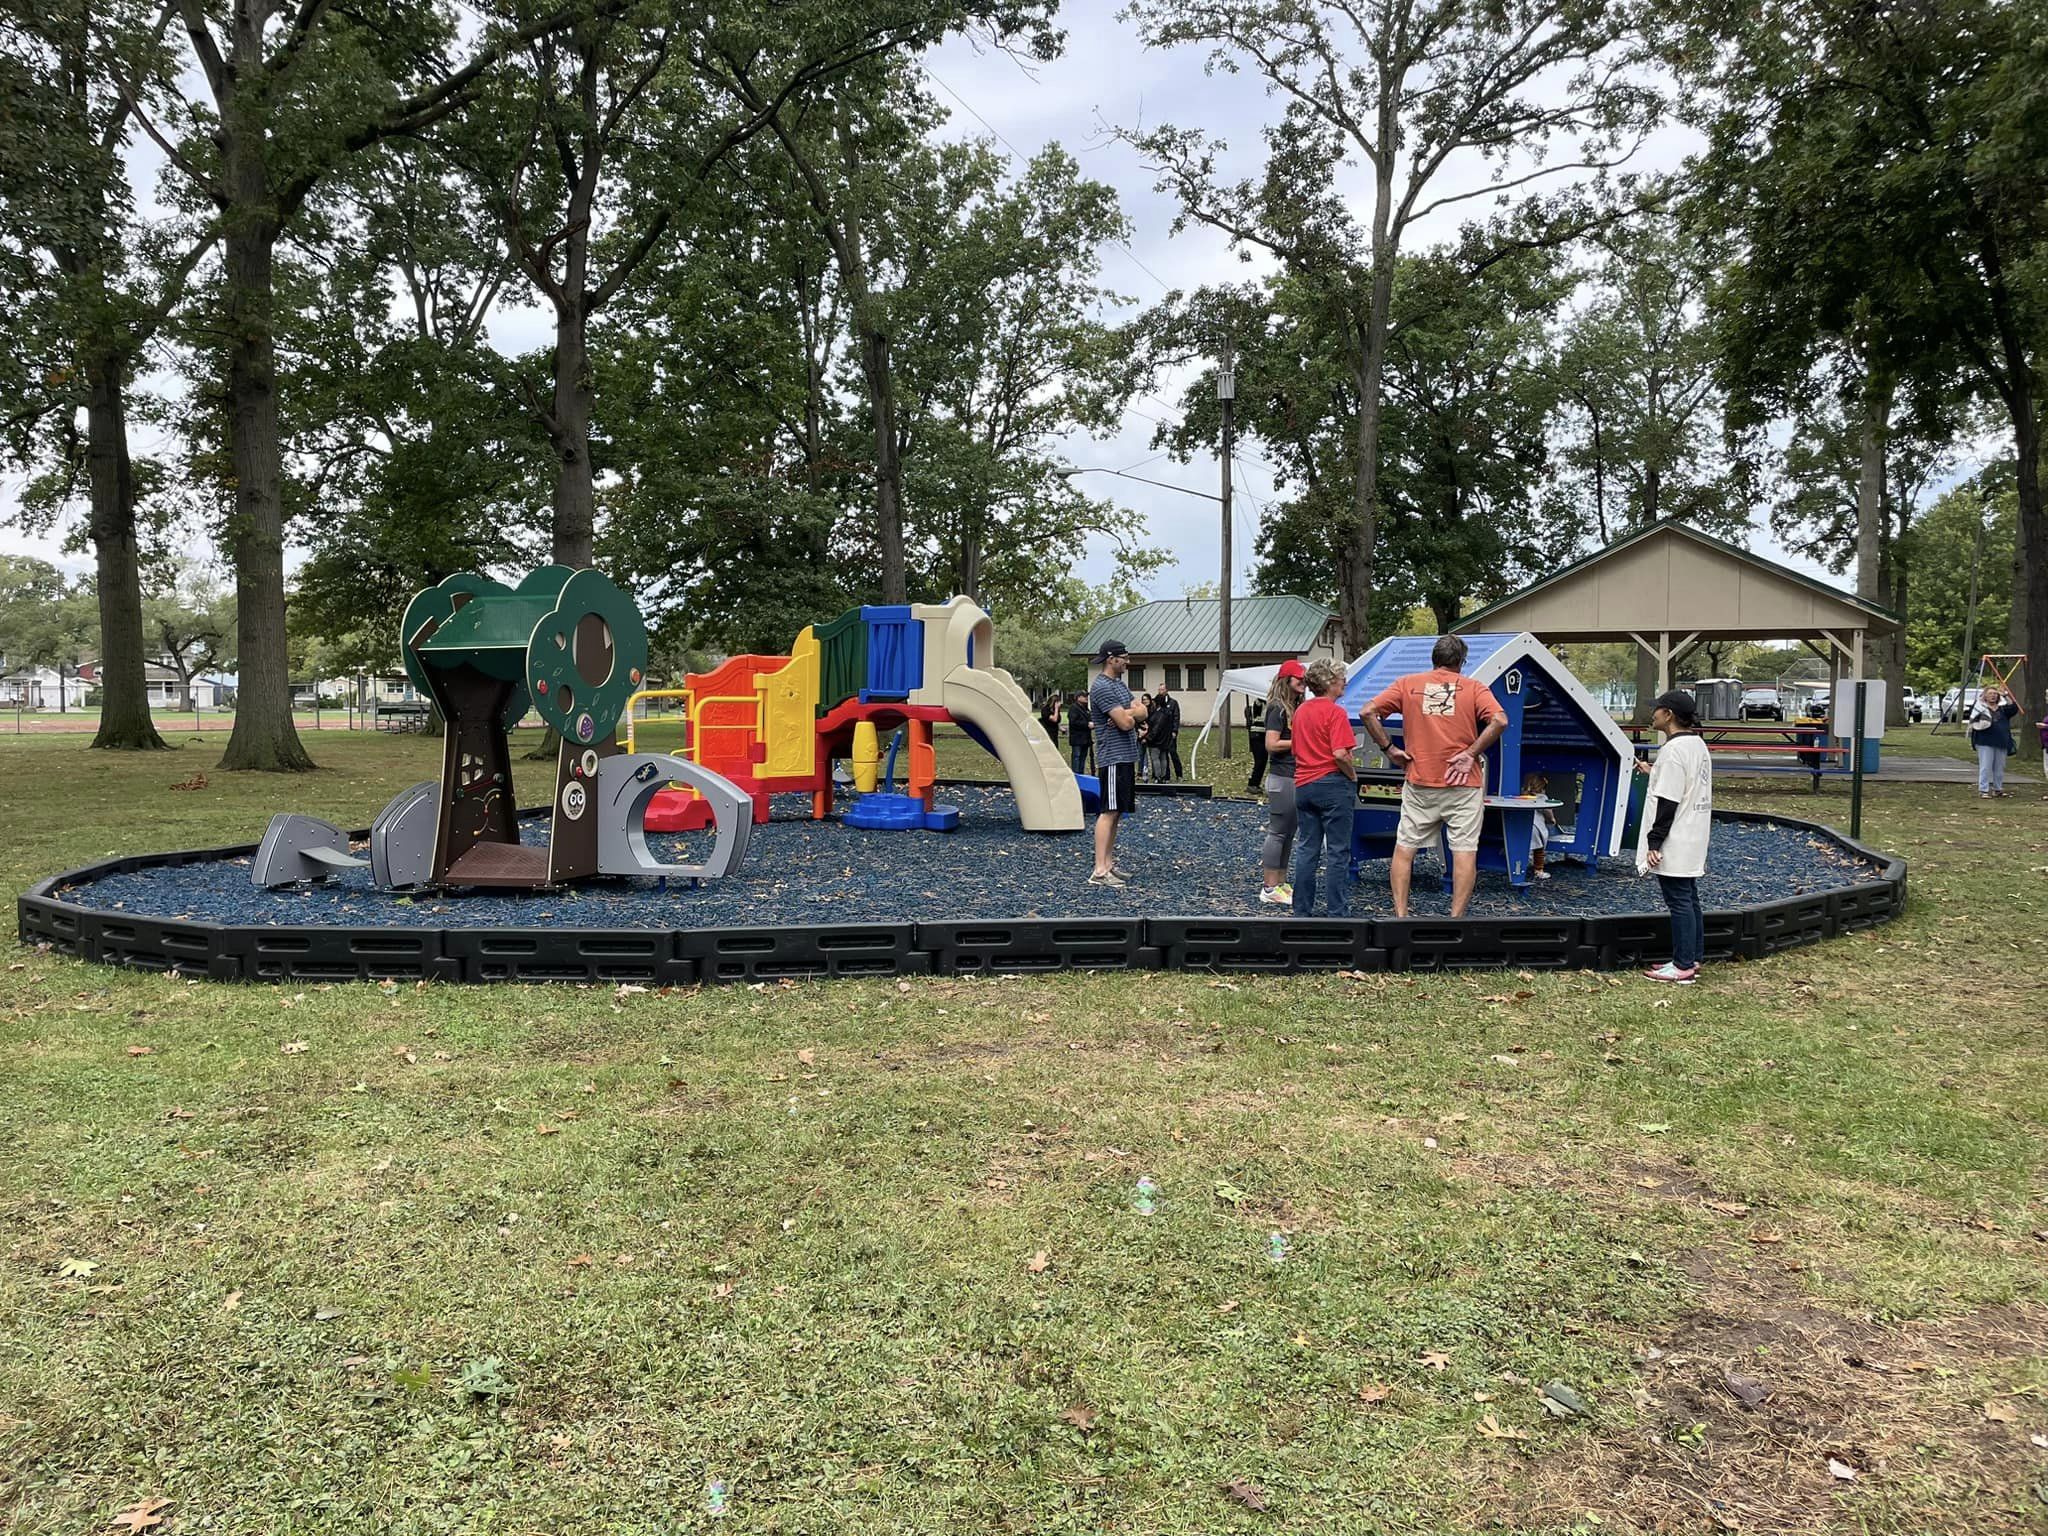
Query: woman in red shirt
point(1325, 794)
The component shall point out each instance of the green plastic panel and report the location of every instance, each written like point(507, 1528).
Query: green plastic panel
point(842, 659)
point(582, 711)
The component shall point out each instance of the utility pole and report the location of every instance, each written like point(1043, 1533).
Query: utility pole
point(1226, 396)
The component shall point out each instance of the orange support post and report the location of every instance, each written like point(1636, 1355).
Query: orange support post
point(924, 763)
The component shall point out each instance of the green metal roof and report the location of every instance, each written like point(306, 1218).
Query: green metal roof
point(1475, 620)
point(1283, 625)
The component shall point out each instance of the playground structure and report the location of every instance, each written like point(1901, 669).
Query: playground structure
point(777, 724)
point(1554, 728)
point(571, 646)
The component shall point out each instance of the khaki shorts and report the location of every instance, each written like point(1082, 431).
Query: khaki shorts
point(1458, 809)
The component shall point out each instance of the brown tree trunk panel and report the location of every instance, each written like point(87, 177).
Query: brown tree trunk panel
point(125, 723)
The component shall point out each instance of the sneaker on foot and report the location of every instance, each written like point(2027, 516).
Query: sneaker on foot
point(1671, 973)
point(1275, 896)
point(1539, 874)
point(1112, 880)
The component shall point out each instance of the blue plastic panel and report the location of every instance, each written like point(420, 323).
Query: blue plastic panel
point(895, 652)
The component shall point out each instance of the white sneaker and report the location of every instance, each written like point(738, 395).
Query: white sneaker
point(1539, 874)
point(1671, 973)
point(1112, 880)
point(1276, 895)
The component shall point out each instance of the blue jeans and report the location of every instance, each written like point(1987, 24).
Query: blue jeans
point(1323, 829)
point(1990, 770)
point(1079, 748)
point(1688, 922)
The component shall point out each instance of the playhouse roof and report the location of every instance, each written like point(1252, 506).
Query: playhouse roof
point(1487, 658)
point(492, 621)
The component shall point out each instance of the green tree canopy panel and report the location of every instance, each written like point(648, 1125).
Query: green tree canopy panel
point(490, 632)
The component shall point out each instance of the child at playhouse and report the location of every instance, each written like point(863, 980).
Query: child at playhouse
point(1536, 786)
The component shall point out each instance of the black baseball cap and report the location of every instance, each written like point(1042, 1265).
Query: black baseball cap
point(1111, 648)
point(1678, 701)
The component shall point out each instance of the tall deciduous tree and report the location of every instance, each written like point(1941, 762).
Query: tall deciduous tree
point(1418, 93)
point(286, 94)
point(83, 291)
point(1883, 168)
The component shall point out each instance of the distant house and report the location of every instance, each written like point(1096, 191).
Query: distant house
point(1173, 642)
point(40, 687)
point(161, 686)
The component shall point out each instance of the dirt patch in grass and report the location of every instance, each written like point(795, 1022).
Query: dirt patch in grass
point(1749, 1410)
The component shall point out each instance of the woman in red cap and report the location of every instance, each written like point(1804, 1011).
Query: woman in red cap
point(1282, 699)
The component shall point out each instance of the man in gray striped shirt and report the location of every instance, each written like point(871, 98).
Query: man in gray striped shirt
point(1115, 716)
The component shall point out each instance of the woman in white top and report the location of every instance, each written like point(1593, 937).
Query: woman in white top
point(1677, 821)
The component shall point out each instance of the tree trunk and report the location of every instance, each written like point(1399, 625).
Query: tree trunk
point(1355, 596)
point(2031, 597)
point(125, 725)
point(264, 738)
point(875, 368)
point(575, 510)
point(1653, 493)
point(1892, 649)
point(1870, 483)
point(1646, 685)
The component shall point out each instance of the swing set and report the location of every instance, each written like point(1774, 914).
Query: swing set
point(2005, 671)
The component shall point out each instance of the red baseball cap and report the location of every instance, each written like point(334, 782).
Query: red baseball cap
point(1292, 668)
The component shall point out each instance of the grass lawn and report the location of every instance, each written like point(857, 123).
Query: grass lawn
point(551, 1259)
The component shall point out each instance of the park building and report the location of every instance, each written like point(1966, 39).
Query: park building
point(1174, 641)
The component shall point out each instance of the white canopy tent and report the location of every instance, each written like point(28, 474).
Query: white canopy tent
point(1253, 683)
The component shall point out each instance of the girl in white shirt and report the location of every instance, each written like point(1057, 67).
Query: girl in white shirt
point(1677, 822)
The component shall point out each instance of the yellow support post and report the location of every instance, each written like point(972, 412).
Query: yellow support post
point(655, 693)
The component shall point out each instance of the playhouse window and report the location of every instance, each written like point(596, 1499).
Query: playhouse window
point(1135, 679)
point(1172, 676)
point(1198, 678)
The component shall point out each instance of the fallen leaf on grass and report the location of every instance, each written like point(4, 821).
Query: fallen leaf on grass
point(293, 1048)
point(1375, 1392)
point(1493, 1429)
point(547, 1130)
point(149, 1513)
point(1748, 1391)
point(1433, 1359)
point(1229, 1193)
point(2001, 1413)
point(581, 1261)
point(1561, 1402)
point(175, 1113)
point(722, 1291)
point(1766, 1236)
point(1841, 1470)
point(141, 1050)
point(1653, 1127)
point(1081, 1416)
point(629, 989)
point(1249, 1494)
point(77, 1269)
point(232, 1300)
point(1039, 1262)
point(1728, 1207)
point(2038, 1440)
point(807, 1056)
point(1227, 1307)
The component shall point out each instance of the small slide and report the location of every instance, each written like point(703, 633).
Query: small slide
point(1048, 799)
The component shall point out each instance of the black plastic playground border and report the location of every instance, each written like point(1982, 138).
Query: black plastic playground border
point(983, 947)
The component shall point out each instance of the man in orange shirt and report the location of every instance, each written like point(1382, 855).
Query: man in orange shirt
point(1448, 721)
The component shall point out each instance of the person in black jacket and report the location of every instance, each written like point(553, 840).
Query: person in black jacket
point(1255, 734)
point(1049, 717)
point(1080, 733)
point(1162, 734)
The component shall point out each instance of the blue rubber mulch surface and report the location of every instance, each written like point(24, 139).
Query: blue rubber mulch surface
point(1187, 857)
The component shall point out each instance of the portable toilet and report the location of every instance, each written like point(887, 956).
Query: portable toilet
point(1555, 727)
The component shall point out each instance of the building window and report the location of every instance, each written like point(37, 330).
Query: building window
point(1198, 678)
point(1172, 677)
point(1135, 679)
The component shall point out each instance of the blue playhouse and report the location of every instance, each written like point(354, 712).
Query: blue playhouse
point(1555, 727)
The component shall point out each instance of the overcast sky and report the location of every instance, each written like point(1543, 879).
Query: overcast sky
point(1104, 79)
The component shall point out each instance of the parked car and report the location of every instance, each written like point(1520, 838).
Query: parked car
point(1950, 711)
point(1909, 702)
point(1761, 704)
